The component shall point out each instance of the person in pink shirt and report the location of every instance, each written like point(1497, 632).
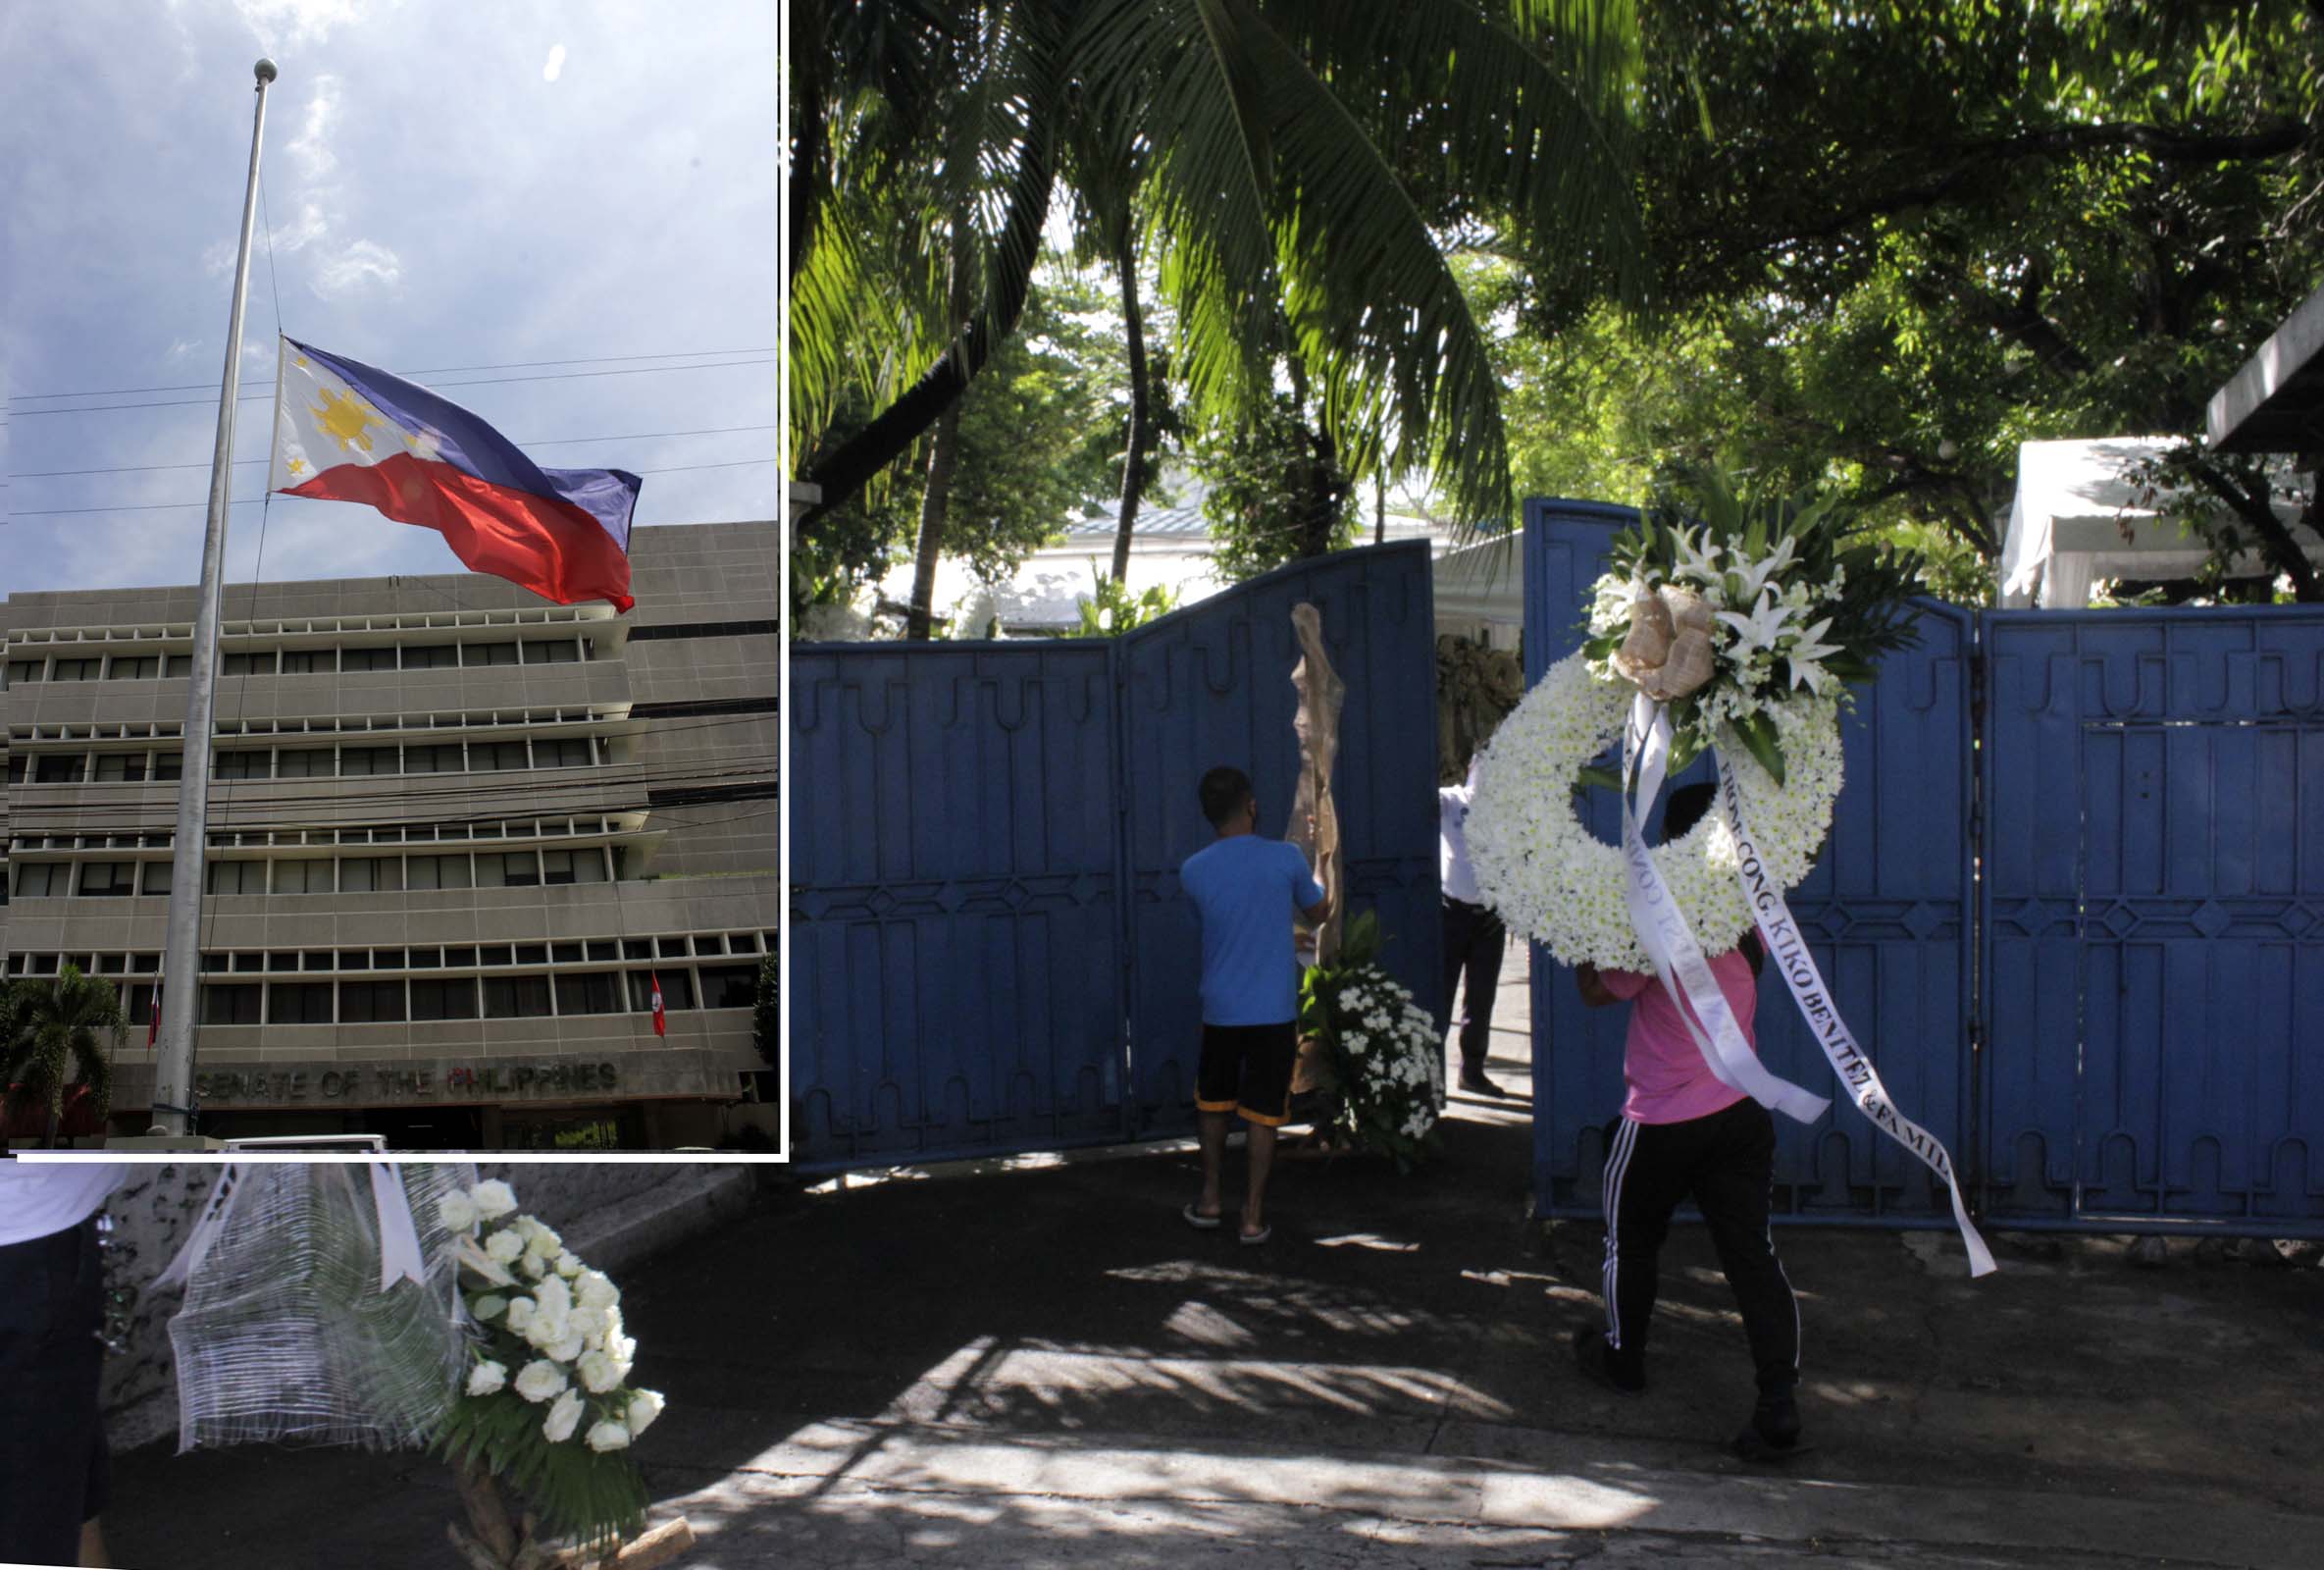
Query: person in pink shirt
point(1685, 1134)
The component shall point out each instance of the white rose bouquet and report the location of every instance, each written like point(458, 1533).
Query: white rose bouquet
point(1387, 1063)
point(546, 1405)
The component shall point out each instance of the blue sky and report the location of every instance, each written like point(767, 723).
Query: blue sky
point(449, 184)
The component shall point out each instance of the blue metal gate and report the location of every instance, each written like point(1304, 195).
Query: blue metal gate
point(2154, 920)
point(990, 952)
point(2118, 1022)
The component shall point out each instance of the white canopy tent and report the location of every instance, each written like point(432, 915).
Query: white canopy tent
point(2079, 517)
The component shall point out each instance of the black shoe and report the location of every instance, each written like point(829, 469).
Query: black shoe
point(1477, 1084)
point(1597, 1361)
point(1773, 1433)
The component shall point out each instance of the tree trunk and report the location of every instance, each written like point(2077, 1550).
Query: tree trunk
point(1133, 470)
point(890, 433)
point(943, 455)
point(806, 105)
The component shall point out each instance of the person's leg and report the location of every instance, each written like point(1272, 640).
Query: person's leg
point(1733, 1190)
point(51, 1307)
point(1488, 944)
point(1270, 1053)
point(1217, 1078)
point(1458, 921)
point(1645, 1178)
point(92, 1545)
point(96, 1499)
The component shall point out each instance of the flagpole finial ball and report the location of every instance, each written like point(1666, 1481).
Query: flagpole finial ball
point(264, 70)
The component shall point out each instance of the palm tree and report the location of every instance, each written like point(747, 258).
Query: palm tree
point(49, 1037)
point(1270, 134)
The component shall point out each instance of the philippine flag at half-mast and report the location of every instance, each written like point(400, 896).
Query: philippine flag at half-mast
point(344, 432)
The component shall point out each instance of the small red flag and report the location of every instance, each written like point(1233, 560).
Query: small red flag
point(661, 1020)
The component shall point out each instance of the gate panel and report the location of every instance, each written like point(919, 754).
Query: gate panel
point(1886, 909)
point(955, 959)
point(2155, 919)
point(1211, 685)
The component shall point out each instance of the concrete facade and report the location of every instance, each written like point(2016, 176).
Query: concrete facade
point(455, 833)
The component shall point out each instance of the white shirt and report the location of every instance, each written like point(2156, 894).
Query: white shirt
point(37, 1198)
point(1452, 842)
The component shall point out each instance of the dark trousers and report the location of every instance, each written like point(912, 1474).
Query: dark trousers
point(53, 1462)
point(1725, 1163)
point(1474, 939)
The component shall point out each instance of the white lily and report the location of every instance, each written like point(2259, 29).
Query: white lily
point(1806, 658)
point(1703, 565)
point(1767, 622)
point(1755, 577)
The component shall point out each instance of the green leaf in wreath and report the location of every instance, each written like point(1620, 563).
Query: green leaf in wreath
point(1758, 735)
point(1594, 777)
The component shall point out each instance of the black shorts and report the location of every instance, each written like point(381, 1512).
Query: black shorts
point(1247, 1068)
point(54, 1471)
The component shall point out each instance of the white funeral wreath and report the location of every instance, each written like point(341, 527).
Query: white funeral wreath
point(1559, 884)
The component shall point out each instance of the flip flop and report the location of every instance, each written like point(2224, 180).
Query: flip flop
point(1253, 1239)
point(1200, 1221)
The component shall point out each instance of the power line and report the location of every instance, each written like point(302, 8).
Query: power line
point(481, 381)
point(243, 501)
point(436, 370)
point(529, 442)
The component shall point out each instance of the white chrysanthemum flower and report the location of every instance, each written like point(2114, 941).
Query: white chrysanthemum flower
point(540, 1380)
point(503, 1247)
point(457, 1212)
point(596, 1289)
point(609, 1436)
point(644, 1407)
point(599, 1373)
point(555, 1297)
point(564, 1416)
point(486, 1378)
point(569, 1265)
point(520, 1313)
point(492, 1198)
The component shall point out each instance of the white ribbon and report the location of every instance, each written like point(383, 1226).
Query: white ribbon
point(1671, 946)
point(1788, 949)
point(399, 1235)
point(400, 1258)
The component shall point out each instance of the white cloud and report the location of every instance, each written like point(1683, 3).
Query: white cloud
point(362, 264)
point(312, 149)
point(556, 64)
point(297, 22)
point(303, 231)
point(183, 347)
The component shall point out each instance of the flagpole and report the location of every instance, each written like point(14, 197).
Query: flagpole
point(172, 1074)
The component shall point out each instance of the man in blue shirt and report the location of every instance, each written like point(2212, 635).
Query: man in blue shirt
point(1245, 889)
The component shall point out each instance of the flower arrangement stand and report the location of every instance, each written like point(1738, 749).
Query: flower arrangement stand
point(491, 1541)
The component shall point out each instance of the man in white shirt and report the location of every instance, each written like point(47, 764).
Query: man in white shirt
point(1475, 938)
point(55, 1472)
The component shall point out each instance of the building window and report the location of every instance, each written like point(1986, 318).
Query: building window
point(370, 760)
point(169, 765)
point(299, 1003)
point(109, 877)
point(519, 870)
point(730, 986)
point(489, 655)
point(382, 874)
point(370, 1001)
point(133, 668)
point(516, 997)
point(497, 754)
point(237, 877)
point(677, 991)
point(247, 663)
point(430, 656)
point(75, 670)
point(58, 768)
point(440, 759)
point(572, 751)
point(589, 994)
point(245, 763)
point(178, 665)
point(157, 877)
point(128, 768)
point(21, 671)
point(440, 872)
point(560, 651)
point(367, 659)
point(304, 763)
point(309, 661)
point(36, 880)
point(302, 876)
point(444, 1000)
point(231, 1003)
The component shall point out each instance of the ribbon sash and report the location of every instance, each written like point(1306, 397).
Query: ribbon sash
point(1676, 957)
point(1788, 949)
